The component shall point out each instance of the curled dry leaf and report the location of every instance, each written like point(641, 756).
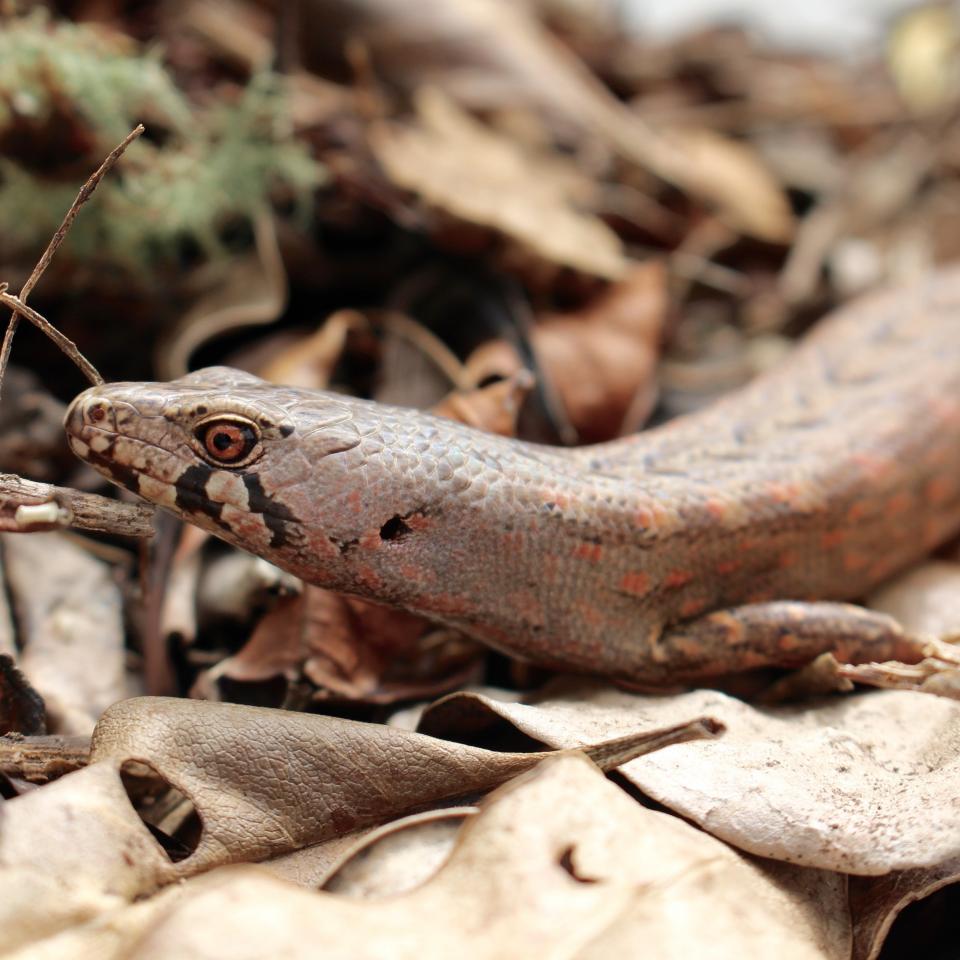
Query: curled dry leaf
point(337, 775)
point(862, 785)
point(310, 362)
point(349, 648)
point(459, 166)
point(398, 856)
point(493, 408)
point(558, 864)
point(68, 609)
point(70, 851)
point(599, 361)
point(310, 866)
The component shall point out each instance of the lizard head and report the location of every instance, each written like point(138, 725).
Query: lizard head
point(223, 449)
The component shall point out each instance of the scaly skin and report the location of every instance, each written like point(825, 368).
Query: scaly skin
point(815, 482)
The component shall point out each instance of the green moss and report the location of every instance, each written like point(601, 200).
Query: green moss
point(211, 165)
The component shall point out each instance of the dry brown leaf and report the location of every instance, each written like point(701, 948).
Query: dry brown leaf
point(732, 174)
point(70, 851)
point(310, 361)
point(600, 361)
point(559, 864)
point(68, 609)
point(489, 54)
point(473, 174)
point(493, 408)
point(350, 649)
point(336, 775)
point(863, 785)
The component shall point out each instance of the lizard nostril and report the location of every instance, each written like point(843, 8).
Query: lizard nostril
point(99, 413)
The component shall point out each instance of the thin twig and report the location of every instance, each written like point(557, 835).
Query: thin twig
point(82, 197)
point(29, 507)
point(20, 309)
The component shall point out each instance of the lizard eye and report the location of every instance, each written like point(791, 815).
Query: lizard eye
point(228, 441)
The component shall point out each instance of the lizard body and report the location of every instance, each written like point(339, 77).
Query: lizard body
point(686, 551)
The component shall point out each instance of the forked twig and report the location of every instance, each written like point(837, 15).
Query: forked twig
point(19, 304)
point(20, 309)
point(27, 506)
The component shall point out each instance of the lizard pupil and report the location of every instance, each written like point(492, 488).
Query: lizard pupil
point(222, 441)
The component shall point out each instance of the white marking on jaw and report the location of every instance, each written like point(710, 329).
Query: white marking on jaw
point(100, 442)
point(157, 491)
point(79, 448)
point(224, 487)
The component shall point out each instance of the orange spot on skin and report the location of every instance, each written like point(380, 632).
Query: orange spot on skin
point(874, 467)
point(942, 408)
point(636, 583)
point(588, 551)
point(787, 642)
point(412, 573)
point(726, 567)
point(693, 607)
point(513, 539)
point(449, 604)
point(746, 545)
point(527, 604)
point(787, 559)
point(677, 578)
point(371, 540)
point(590, 615)
point(368, 577)
point(883, 567)
point(354, 501)
point(559, 500)
point(855, 561)
point(761, 596)
point(832, 538)
point(783, 492)
point(938, 490)
point(643, 518)
point(418, 521)
point(716, 508)
point(898, 503)
point(857, 511)
point(496, 636)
